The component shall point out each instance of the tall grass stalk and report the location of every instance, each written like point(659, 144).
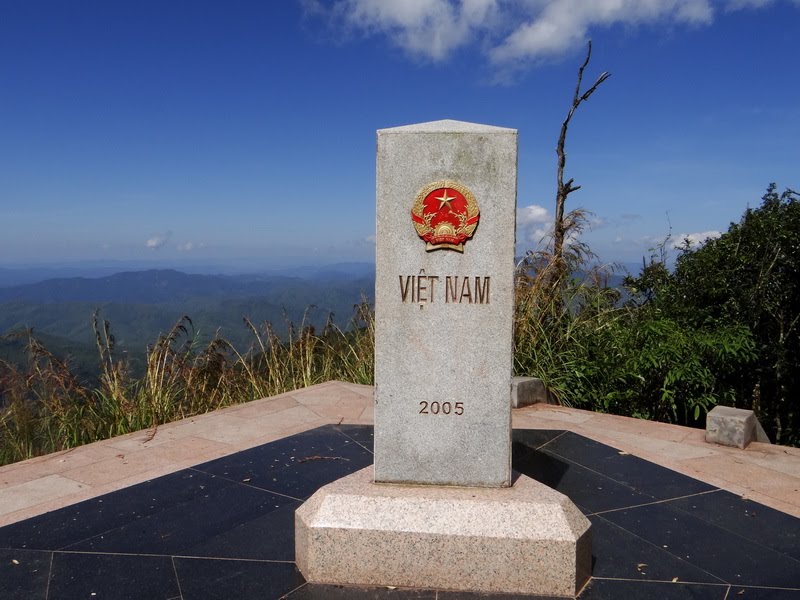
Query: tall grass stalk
point(44, 408)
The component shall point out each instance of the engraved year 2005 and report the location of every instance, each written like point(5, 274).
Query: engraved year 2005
point(441, 408)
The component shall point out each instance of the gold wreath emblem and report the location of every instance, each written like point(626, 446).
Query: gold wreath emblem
point(445, 214)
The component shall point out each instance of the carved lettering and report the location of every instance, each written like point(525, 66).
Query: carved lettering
point(422, 289)
point(482, 291)
point(466, 291)
point(450, 289)
point(432, 279)
point(441, 408)
point(404, 288)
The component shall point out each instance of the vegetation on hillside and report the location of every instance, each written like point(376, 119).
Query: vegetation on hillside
point(45, 407)
point(143, 304)
point(721, 328)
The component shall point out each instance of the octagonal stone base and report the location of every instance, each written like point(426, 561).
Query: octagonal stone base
point(524, 539)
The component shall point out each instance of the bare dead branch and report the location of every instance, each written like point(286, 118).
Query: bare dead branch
point(565, 189)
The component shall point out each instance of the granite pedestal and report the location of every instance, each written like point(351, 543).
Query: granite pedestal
point(526, 539)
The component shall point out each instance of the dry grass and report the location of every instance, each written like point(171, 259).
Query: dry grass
point(44, 408)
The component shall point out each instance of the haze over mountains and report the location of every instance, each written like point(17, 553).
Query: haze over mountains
point(140, 305)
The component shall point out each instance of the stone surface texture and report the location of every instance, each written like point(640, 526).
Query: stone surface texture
point(731, 426)
point(529, 390)
point(527, 538)
point(436, 351)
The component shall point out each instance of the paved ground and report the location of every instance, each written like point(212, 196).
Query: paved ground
point(766, 474)
point(225, 529)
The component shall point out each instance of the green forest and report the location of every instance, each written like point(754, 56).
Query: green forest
point(721, 327)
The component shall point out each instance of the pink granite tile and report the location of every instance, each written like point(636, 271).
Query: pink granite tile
point(368, 414)
point(558, 414)
point(28, 494)
point(55, 463)
point(750, 476)
point(121, 466)
point(320, 399)
point(263, 407)
point(337, 412)
point(656, 446)
point(362, 390)
point(648, 429)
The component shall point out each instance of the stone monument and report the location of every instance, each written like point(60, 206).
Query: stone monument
point(441, 508)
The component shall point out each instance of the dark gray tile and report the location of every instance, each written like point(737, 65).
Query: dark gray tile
point(619, 554)
point(489, 596)
point(610, 589)
point(224, 509)
point(266, 537)
point(212, 520)
point(209, 579)
point(24, 574)
point(296, 466)
point(534, 438)
point(72, 524)
point(590, 491)
point(112, 576)
point(631, 471)
point(315, 591)
point(363, 434)
point(750, 593)
point(732, 558)
point(756, 522)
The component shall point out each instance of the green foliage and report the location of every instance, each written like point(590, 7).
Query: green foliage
point(722, 328)
point(750, 277)
point(629, 359)
point(44, 407)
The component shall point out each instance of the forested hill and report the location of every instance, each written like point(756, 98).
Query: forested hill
point(140, 305)
point(167, 285)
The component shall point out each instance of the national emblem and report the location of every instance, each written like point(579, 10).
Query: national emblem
point(445, 215)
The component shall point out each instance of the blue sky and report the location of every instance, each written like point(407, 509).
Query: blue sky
point(243, 132)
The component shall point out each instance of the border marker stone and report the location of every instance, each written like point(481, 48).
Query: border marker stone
point(443, 356)
point(439, 510)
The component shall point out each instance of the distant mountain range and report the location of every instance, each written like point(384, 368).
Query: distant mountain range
point(140, 305)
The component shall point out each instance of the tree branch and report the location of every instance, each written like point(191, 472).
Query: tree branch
point(564, 189)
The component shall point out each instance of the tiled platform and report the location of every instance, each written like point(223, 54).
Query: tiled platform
point(223, 528)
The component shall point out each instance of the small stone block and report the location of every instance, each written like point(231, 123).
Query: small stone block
point(529, 390)
point(729, 426)
point(524, 539)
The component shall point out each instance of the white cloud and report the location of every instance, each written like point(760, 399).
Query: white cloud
point(507, 31)
point(424, 28)
point(694, 239)
point(742, 4)
point(156, 241)
point(187, 247)
point(534, 225)
point(564, 24)
point(533, 214)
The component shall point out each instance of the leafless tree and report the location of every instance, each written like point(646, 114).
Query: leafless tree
point(562, 224)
